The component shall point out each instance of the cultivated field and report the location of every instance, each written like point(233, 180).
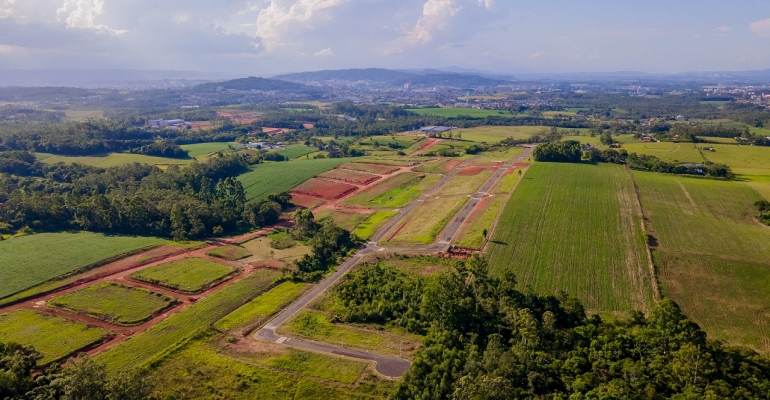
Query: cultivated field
point(31, 260)
point(454, 112)
point(467, 181)
point(667, 151)
point(277, 177)
point(577, 228)
point(394, 192)
point(296, 151)
point(425, 223)
point(54, 337)
point(114, 303)
point(471, 233)
point(711, 254)
point(114, 160)
point(202, 150)
point(256, 311)
point(327, 190)
point(229, 252)
point(188, 275)
point(368, 228)
point(381, 169)
point(361, 178)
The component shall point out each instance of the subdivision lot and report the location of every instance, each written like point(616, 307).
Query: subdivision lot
point(277, 177)
point(577, 228)
point(471, 232)
point(306, 201)
point(114, 303)
point(394, 192)
point(425, 223)
point(256, 311)
point(369, 227)
point(361, 178)
point(229, 252)
point(467, 181)
point(262, 252)
point(348, 220)
point(54, 337)
point(188, 275)
point(711, 254)
point(31, 260)
point(327, 190)
point(381, 169)
point(507, 182)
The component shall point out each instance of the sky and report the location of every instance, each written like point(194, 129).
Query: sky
point(268, 37)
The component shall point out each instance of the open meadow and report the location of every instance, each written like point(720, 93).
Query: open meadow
point(255, 312)
point(347, 220)
point(276, 177)
point(496, 134)
point(203, 150)
point(31, 260)
point(188, 275)
point(262, 251)
point(115, 160)
point(577, 228)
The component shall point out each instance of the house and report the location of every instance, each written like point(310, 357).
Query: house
point(165, 123)
point(436, 129)
point(588, 147)
point(680, 117)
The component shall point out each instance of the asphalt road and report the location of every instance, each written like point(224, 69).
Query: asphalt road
point(392, 367)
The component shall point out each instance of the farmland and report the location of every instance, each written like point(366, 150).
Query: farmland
point(454, 112)
point(382, 169)
point(202, 150)
point(31, 260)
point(576, 228)
point(467, 181)
point(188, 275)
point(229, 252)
point(54, 337)
point(114, 160)
point(179, 328)
point(114, 303)
point(277, 177)
point(261, 307)
point(472, 232)
point(296, 151)
point(368, 228)
point(361, 178)
point(711, 254)
point(496, 134)
point(326, 190)
point(396, 191)
point(426, 221)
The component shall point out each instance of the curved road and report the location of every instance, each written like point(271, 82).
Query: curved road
point(391, 367)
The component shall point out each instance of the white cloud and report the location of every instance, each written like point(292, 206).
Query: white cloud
point(487, 3)
point(761, 28)
point(436, 15)
point(324, 53)
point(82, 13)
point(5, 48)
point(7, 9)
point(281, 16)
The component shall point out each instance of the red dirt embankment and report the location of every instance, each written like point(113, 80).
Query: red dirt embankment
point(428, 144)
point(470, 171)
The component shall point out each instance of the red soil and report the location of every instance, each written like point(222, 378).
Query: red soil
point(306, 201)
point(427, 145)
point(324, 189)
point(469, 171)
point(450, 165)
point(345, 175)
point(521, 165)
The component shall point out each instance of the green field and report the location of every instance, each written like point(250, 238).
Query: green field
point(202, 150)
point(748, 161)
point(229, 252)
point(53, 337)
point(394, 192)
point(114, 160)
point(277, 177)
point(178, 329)
point(507, 182)
point(667, 151)
point(495, 134)
point(455, 112)
point(368, 228)
point(711, 254)
point(344, 219)
point(296, 151)
point(114, 303)
point(261, 251)
point(265, 305)
point(577, 228)
point(31, 260)
point(472, 231)
point(426, 221)
point(464, 184)
point(188, 275)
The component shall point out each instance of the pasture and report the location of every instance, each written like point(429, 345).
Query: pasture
point(455, 112)
point(115, 160)
point(426, 221)
point(348, 220)
point(114, 303)
point(369, 227)
point(396, 191)
point(189, 275)
point(203, 150)
point(296, 151)
point(31, 260)
point(54, 337)
point(711, 254)
point(262, 252)
point(277, 177)
point(577, 228)
point(667, 151)
point(471, 232)
point(179, 328)
point(229, 252)
point(255, 312)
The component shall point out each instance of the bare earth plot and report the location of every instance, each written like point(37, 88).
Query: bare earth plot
point(577, 228)
point(396, 191)
point(468, 181)
point(711, 255)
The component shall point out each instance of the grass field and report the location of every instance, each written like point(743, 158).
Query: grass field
point(255, 311)
point(202, 150)
point(666, 151)
point(368, 228)
point(188, 275)
point(495, 134)
point(454, 112)
point(296, 151)
point(277, 177)
point(416, 265)
point(748, 161)
point(114, 303)
point(472, 231)
point(394, 192)
point(53, 337)
point(711, 254)
point(261, 251)
point(158, 341)
point(507, 182)
point(31, 260)
point(465, 184)
point(114, 160)
point(502, 155)
point(426, 221)
point(344, 219)
point(230, 252)
point(577, 228)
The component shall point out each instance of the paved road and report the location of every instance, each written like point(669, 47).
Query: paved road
point(388, 366)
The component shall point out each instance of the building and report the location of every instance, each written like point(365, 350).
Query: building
point(166, 123)
point(436, 129)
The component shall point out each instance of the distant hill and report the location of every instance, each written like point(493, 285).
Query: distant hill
point(381, 76)
point(41, 93)
point(251, 83)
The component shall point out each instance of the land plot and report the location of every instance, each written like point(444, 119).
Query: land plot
point(502, 155)
point(202, 150)
point(273, 178)
point(326, 190)
point(472, 230)
point(380, 169)
point(667, 151)
point(115, 160)
point(345, 219)
point(53, 337)
point(368, 228)
point(577, 228)
point(426, 221)
point(496, 134)
point(230, 252)
point(296, 151)
point(507, 182)
point(306, 201)
point(396, 191)
point(420, 265)
point(262, 252)
point(179, 328)
point(114, 303)
point(750, 161)
point(361, 178)
point(255, 312)
point(31, 260)
point(188, 275)
point(467, 181)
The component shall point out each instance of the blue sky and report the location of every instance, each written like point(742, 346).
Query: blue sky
point(265, 37)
